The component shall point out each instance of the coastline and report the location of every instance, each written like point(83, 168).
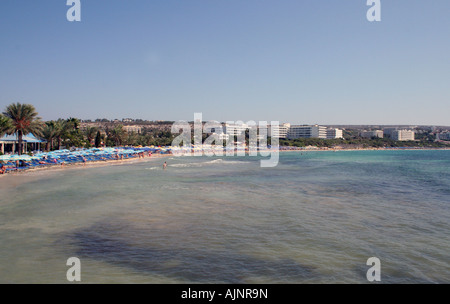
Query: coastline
point(96, 164)
point(364, 149)
point(93, 164)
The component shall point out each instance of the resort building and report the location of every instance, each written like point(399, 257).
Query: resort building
point(281, 130)
point(10, 143)
point(388, 131)
point(217, 131)
point(135, 129)
point(305, 131)
point(371, 134)
point(334, 133)
point(402, 135)
point(443, 136)
point(235, 129)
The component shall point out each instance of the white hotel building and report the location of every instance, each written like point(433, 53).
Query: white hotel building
point(402, 135)
point(235, 129)
point(281, 130)
point(305, 131)
point(334, 133)
point(286, 131)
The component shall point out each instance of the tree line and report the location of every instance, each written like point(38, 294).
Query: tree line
point(22, 119)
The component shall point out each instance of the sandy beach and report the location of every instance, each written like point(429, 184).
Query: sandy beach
point(92, 164)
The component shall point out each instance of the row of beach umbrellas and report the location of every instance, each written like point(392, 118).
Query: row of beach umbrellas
point(25, 157)
point(82, 152)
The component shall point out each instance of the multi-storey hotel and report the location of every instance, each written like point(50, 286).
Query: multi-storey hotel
point(388, 131)
point(305, 131)
point(284, 131)
point(402, 135)
point(334, 133)
point(281, 130)
point(235, 129)
point(443, 136)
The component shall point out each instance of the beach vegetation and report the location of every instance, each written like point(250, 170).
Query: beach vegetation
point(116, 136)
point(98, 139)
point(49, 134)
point(90, 133)
point(24, 120)
point(5, 125)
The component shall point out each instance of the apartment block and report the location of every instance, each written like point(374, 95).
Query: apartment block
point(402, 135)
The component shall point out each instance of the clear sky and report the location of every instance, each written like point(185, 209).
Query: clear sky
point(298, 61)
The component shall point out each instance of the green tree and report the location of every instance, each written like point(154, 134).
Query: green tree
point(72, 135)
point(98, 139)
point(116, 134)
point(59, 127)
point(73, 123)
point(5, 125)
point(25, 120)
point(49, 133)
point(90, 133)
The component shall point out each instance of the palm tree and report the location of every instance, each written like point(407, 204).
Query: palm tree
point(5, 125)
point(117, 134)
point(49, 133)
point(25, 120)
point(90, 133)
point(73, 123)
point(60, 128)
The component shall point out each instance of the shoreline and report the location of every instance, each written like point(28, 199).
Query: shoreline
point(93, 164)
point(96, 164)
point(366, 149)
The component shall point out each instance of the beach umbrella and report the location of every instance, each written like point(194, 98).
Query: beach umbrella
point(5, 158)
point(20, 157)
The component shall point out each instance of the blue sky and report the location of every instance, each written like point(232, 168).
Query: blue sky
point(298, 61)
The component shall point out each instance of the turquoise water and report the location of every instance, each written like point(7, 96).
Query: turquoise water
point(315, 218)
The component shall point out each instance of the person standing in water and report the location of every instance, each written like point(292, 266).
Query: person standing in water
point(164, 165)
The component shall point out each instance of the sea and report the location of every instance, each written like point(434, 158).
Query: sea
point(317, 217)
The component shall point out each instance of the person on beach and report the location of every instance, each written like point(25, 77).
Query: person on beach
point(165, 165)
point(2, 169)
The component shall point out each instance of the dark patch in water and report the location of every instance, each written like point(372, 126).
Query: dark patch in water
point(100, 242)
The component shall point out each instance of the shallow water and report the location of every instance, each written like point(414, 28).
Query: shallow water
point(315, 218)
